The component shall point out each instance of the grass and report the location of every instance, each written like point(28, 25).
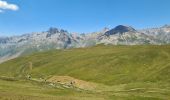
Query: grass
point(124, 73)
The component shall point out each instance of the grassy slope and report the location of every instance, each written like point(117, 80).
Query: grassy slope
point(139, 72)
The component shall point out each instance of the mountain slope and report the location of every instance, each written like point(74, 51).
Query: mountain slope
point(105, 60)
point(162, 34)
point(137, 71)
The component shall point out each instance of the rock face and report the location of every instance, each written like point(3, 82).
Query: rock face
point(52, 39)
point(55, 38)
point(162, 34)
point(120, 30)
point(126, 35)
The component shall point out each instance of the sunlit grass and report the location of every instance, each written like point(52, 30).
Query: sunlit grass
point(126, 72)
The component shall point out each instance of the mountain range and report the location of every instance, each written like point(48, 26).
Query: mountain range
point(54, 38)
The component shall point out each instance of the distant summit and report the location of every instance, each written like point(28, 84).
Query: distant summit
point(120, 29)
point(54, 30)
point(166, 26)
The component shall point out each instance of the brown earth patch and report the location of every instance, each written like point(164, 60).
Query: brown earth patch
point(70, 81)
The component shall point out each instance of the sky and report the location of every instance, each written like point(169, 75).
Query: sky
point(25, 16)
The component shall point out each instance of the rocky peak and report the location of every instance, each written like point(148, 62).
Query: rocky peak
point(53, 31)
point(120, 29)
point(166, 26)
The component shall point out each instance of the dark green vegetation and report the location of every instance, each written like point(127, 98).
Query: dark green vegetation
point(119, 73)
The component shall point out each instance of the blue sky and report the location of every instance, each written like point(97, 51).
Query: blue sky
point(81, 15)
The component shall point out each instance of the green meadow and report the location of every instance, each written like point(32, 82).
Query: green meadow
point(93, 73)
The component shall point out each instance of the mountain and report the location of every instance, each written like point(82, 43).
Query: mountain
point(120, 29)
point(54, 38)
point(162, 34)
point(125, 35)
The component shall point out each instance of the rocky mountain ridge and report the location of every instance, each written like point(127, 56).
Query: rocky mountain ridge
point(54, 38)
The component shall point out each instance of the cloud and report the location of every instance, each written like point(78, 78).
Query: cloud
point(7, 6)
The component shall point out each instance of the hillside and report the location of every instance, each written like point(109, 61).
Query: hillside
point(100, 72)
